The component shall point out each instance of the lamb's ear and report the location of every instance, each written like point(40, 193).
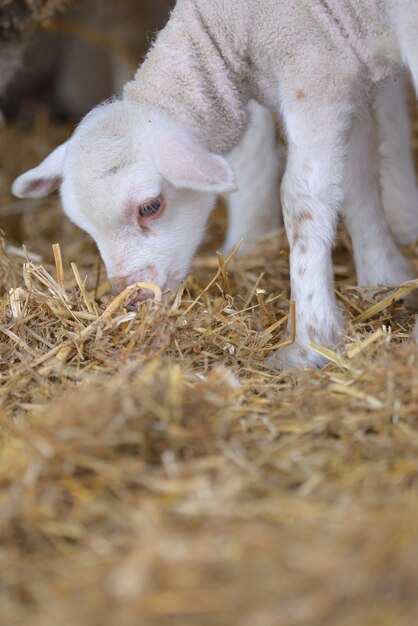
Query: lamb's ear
point(43, 179)
point(186, 164)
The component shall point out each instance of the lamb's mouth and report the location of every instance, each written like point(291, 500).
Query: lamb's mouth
point(143, 294)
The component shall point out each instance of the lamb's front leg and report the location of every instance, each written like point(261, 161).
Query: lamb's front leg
point(258, 164)
point(311, 198)
point(397, 170)
point(377, 258)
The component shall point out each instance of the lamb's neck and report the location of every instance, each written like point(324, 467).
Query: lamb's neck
point(196, 79)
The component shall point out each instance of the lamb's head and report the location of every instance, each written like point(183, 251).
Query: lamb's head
point(140, 185)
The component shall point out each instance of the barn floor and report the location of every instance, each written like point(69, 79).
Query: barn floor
point(155, 472)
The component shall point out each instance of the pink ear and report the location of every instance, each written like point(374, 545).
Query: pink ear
point(187, 164)
point(42, 180)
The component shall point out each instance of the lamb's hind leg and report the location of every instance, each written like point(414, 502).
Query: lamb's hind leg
point(397, 171)
point(312, 194)
point(378, 260)
point(258, 163)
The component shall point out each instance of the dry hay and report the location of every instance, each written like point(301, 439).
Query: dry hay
point(153, 469)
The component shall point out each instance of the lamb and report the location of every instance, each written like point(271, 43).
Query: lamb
point(141, 174)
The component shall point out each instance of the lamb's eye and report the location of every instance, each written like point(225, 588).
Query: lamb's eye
point(150, 209)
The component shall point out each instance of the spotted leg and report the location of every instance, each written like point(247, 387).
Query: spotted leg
point(312, 194)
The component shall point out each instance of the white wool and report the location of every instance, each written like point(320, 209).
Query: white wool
point(314, 62)
point(211, 51)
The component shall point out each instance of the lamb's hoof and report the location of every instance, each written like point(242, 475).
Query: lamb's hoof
point(402, 274)
point(296, 355)
point(412, 299)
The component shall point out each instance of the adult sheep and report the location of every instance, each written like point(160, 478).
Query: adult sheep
point(140, 174)
point(18, 20)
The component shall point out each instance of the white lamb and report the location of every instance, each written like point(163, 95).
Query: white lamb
point(141, 174)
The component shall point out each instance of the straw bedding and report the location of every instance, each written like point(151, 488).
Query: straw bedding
point(153, 470)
